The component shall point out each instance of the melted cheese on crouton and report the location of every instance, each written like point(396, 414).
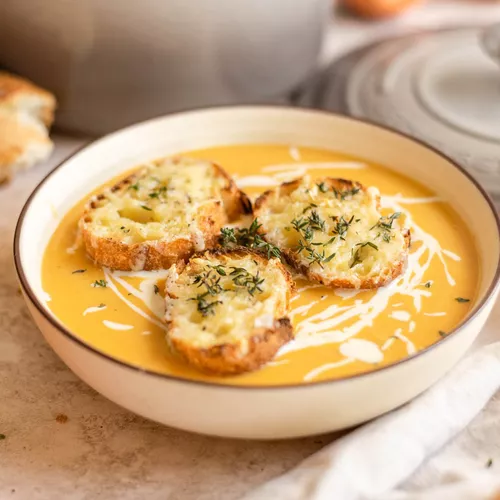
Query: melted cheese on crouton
point(161, 201)
point(338, 233)
point(223, 299)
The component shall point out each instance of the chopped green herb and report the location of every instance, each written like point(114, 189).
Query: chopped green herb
point(146, 208)
point(220, 270)
point(489, 463)
point(158, 193)
point(79, 271)
point(309, 207)
point(343, 194)
point(306, 227)
point(204, 307)
point(442, 334)
point(156, 289)
point(135, 186)
point(313, 255)
point(341, 226)
point(242, 278)
point(316, 223)
point(250, 238)
point(100, 283)
point(356, 254)
point(227, 236)
point(356, 258)
point(299, 224)
point(385, 223)
point(461, 299)
point(428, 284)
point(322, 187)
point(210, 281)
point(369, 243)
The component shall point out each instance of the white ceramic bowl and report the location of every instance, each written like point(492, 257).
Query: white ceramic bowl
point(254, 412)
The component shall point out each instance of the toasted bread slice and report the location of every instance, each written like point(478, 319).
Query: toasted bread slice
point(18, 94)
point(164, 212)
point(333, 231)
point(24, 141)
point(226, 310)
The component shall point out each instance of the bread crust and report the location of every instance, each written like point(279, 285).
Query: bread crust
point(225, 360)
point(23, 142)
point(14, 90)
point(384, 278)
point(161, 254)
point(263, 343)
point(236, 202)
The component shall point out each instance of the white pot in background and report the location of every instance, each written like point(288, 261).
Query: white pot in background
point(115, 62)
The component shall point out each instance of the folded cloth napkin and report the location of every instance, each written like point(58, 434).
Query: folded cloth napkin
point(384, 460)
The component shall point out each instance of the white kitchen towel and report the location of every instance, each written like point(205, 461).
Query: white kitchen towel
point(384, 460)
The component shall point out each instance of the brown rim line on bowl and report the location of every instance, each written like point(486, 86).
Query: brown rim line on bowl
point(324, 405)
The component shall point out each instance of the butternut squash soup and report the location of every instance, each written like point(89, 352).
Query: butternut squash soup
point(338, 333)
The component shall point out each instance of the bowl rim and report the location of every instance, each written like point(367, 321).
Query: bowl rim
point(494, 285)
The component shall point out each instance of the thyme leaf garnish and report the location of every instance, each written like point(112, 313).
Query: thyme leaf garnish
point(322, 187)
point(341, 226)
point(204, 307)
point(100, 283)
point(158, 193)
point(242, 278)
point(306, 226)
point(309, 207)
point(227, 236)
point(210, 280)
point(220, 270)
point(345, 193)
point(462, 300)
point(356, 254)
point(385, 223)
point(79, 271)
point(249, 238)
point(316, 223)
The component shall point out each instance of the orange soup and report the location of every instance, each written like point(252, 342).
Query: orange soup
point(338, 333)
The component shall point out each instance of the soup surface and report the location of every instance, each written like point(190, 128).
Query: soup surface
point(338, 332)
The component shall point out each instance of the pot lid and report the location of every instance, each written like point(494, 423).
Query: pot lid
point(439, 86)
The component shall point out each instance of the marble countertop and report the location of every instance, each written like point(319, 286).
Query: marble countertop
point(63, 440)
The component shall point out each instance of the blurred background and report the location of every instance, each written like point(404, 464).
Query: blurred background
point(428, 68)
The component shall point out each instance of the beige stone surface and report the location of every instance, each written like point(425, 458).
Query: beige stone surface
point(102, 451)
